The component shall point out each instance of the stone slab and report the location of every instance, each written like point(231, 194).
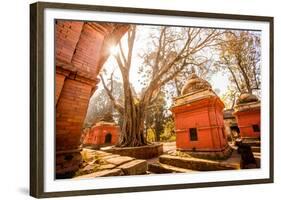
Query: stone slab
point(142, 152)
point(160, 168)
point(195, 163)
point(134, 167)
point(119, 160)
point(110, 156)
point(104, 173)
point(106, 166)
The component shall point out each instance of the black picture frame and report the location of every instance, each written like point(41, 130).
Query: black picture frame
point(37, 97)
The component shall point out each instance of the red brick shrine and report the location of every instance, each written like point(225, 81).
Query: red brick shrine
point(102, 134)
point(247, 114)
point(198, 115)
point(81, 48)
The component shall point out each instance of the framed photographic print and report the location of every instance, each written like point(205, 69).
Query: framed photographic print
point(130, 99)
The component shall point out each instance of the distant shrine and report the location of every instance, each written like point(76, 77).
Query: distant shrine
point(247, 114)
point(103, 133)
point(198, 115)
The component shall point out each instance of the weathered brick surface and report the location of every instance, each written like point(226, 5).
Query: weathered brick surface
point(67, 36)
point(70, 113)
point(88, 51)
point(59, 84)
point(79, 49)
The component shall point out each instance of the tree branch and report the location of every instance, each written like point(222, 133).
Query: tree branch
point(116, 105)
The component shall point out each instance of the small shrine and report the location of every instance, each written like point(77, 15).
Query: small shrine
point(198, 115)
point(103, 133)
point(247, 114)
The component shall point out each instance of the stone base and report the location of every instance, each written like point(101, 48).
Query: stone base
point(67, 163)
point(251, 141)
point(95, 146)
point(196, 164)
point(213, 155)
point(143, 152)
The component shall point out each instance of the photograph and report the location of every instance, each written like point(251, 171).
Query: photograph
point(142, 99)
point(133, 100)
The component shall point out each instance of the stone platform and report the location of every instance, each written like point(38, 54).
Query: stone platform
point(212, 155)
point(196, 164)
point(102, 164)
point(142, 152)
point(179, 163)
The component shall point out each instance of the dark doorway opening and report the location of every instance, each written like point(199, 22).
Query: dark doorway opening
point(235, 128)
point(235, 131)
point(108, 138)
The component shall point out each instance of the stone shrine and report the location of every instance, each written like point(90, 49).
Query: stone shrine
point(247, 114)
point(198, 115)
point(103, 133)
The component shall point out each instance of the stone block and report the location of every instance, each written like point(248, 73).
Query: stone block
point(142, 152)
point(134, 167)
point(159, 168)
point(119, 160)
point(104, 173)
point(195, 163)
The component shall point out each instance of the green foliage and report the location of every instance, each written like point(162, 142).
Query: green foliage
point(150, 135)
point(168, 134)
point(156, 116)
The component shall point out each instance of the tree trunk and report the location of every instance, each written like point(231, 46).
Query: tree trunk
point(244, 74)
point(234, 78)
point(132, 132)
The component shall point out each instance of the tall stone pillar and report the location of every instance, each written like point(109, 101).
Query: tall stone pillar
point(81, 50)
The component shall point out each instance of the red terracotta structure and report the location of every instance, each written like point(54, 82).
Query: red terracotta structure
point(198, 116)
point(102, 134)
point(81, 50)
point(247, 114)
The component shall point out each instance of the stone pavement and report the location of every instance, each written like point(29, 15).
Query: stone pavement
point(100, 164)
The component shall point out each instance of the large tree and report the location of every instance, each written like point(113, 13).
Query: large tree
point(171, 50)
point(240, 55)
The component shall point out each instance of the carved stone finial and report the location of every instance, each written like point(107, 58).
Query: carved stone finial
point(194, 83)
point(246, 98)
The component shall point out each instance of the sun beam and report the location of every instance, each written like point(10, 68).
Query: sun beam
point(113, 50)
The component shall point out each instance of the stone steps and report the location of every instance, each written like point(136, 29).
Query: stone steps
point(257, 156)
point(160, 168)
point(251, 142)
point(256, 149)
point(101, 164)
point(195, 163)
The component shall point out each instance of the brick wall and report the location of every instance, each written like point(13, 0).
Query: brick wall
point(59, 85)
point(67, 36)
point(70, 113)
point(81, 49)
point(206, 116)
point(246, 120)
